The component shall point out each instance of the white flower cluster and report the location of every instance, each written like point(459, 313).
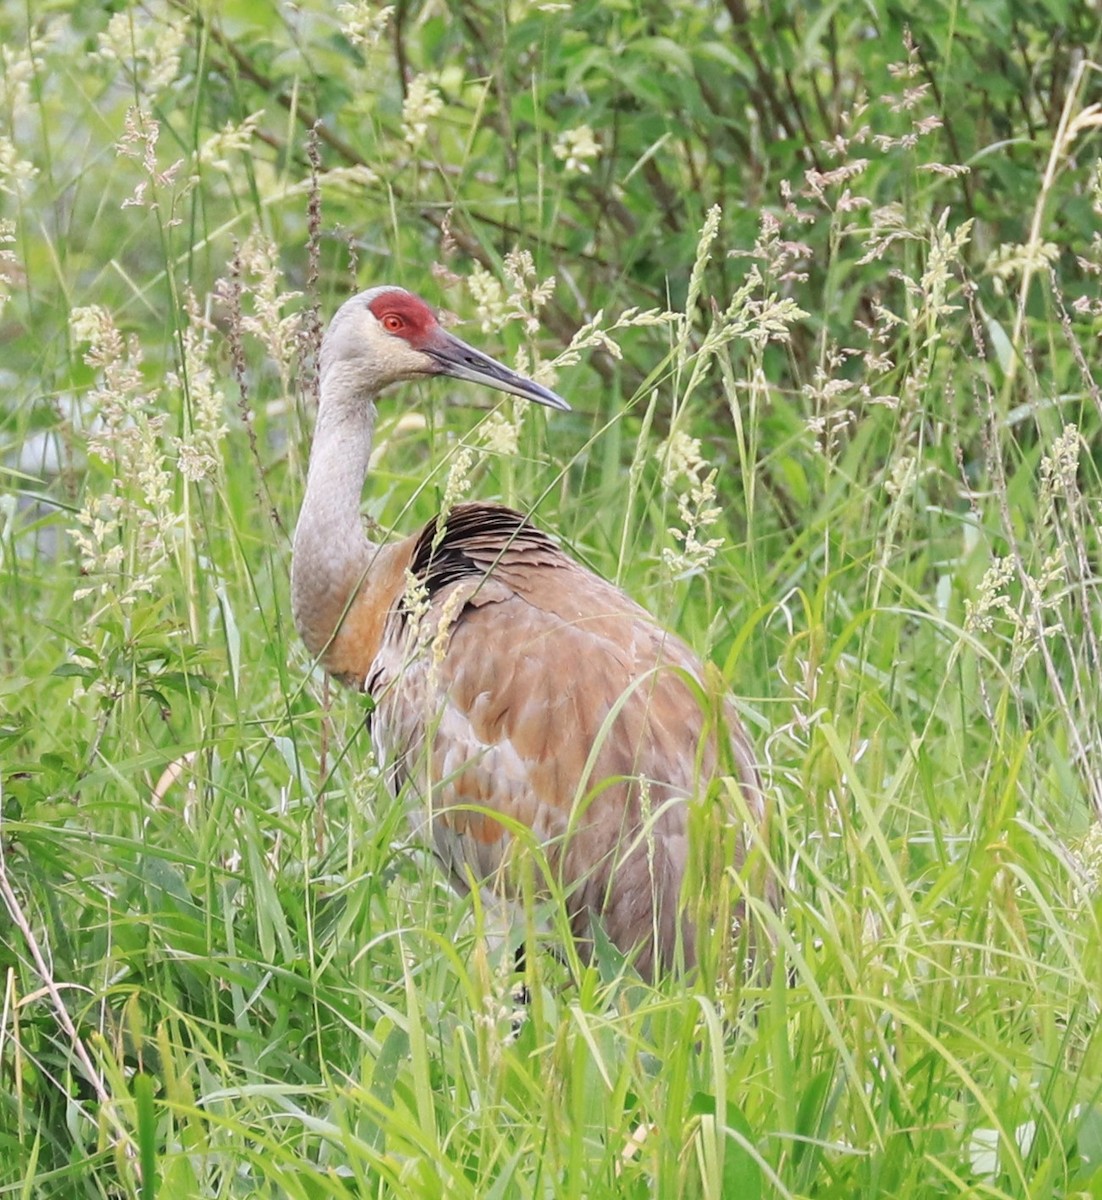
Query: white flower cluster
point(576, 148)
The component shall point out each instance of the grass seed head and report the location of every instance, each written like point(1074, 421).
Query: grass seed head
point(363, 23)
point(148, 48)
point(422, 105)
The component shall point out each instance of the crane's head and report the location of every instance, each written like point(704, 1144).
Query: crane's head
point(386, 335)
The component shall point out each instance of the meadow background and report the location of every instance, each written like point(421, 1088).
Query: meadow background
point(823, 289)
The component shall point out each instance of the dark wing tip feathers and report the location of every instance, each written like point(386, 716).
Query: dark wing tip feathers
point(474, 535)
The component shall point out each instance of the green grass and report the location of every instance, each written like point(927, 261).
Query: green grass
point(227, 969)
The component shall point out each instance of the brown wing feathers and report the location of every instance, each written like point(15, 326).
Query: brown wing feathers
point(560, 704)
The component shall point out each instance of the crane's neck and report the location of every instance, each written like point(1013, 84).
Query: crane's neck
point(332, 555)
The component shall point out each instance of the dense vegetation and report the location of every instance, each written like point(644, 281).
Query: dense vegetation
point(823, 289)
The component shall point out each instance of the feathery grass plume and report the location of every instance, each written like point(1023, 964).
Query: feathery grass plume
point(783, 260)
point(125, 534)
point(422, 105)
point(1042, 592)
point(449, 611)
point(500, 434)
point(497, 307)
point(594, 334)
point(15, 172)
point(708, 233)
point(755, 314)
point(234, 138)
point(802, 679)
point(836, 397)
point(1059, 471)
point(945, 252)
point(889, 226)
point(199, 452)
point(1054, 575)
point(1007, 261)
point(9, 261)
point(1063, 508)
point(457, 486)
point(831, 397)
point(692, 480)
point(489, 298)
point(991, 598)
point(23, 60)
point(139, 142)
point(415, 604)
point(363, 22)
point(261, 283)
point(147, 43)
point(527, 294)
point(757, 319)
point(1027, 612)
point(254, 296)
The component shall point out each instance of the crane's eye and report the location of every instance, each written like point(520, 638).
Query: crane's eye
point(393, 323)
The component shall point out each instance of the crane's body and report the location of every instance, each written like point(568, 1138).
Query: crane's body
point(508, 680)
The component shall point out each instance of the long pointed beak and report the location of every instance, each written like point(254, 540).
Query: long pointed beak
point(454, 357)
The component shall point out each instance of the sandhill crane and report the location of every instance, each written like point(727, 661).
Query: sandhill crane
point(507, 678)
